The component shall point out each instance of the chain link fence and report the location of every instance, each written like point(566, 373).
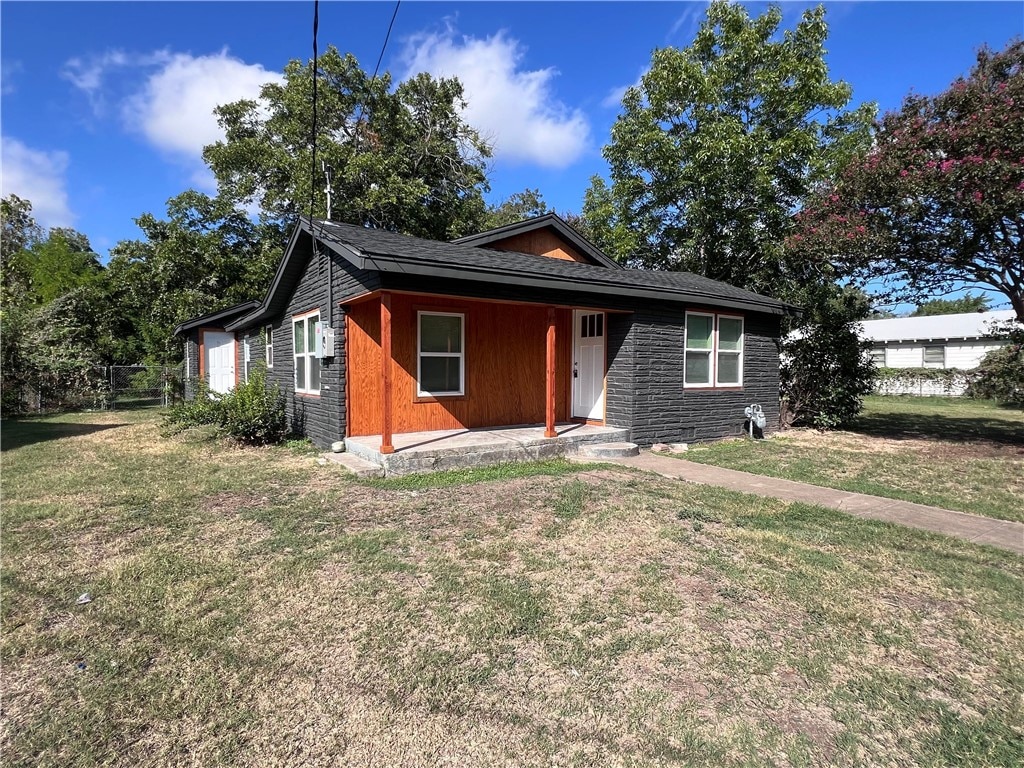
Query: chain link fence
point(102, 387)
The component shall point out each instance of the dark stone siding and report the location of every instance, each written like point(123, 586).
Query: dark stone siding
point(191, 359)
point(664, 411)
point(619, 380)
point(320, 418)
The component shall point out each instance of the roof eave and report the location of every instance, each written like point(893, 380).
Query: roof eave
point(394, 265)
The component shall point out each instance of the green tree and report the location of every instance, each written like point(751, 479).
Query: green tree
point(938, 203)
point(18, 231)
point(967, 303)
point(825, 370)
point(60, 263)
point(518, 207)
point(205, 256)
point(720, 144)
point(402, 159)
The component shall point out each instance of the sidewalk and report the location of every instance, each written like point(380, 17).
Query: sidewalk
point(1004, 534)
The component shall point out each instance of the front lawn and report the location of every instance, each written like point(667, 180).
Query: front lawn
point(253, 608)
point(953, 453)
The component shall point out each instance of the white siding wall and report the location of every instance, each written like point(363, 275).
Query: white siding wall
point(968, 354)
point(962, 354)
point(904, 355)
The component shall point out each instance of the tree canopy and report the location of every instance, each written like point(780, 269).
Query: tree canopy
point(403, 159)
point(206, 255)
point(968, 303)
point(719, 145)
point(938, 202)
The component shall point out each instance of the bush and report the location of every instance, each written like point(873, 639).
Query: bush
point(251, 413)
point(1000, 375)
point(254, 413)
point(204, 408)
point(825, 370)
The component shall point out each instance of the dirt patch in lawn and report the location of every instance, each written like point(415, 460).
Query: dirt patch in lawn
point(929, 447)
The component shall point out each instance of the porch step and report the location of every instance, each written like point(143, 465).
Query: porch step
point(357, 466)
point(609, 450)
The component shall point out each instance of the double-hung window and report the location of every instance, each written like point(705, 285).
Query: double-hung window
point(713, 354)
point(307, 366)
point(268, 338)
point(878, 356)
point(935, 355)
point(441, 354)
point(700, 343)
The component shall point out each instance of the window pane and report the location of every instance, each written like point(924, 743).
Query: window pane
point(314, 374)
point(439, 374)
point(440, 333)
point(730, 331)
point(311, 332)
point(600, 325)
point(728, 368)
point(300, 373)
point(698, 368)
point(935, 354)
point(299, 337)
point(698, 332)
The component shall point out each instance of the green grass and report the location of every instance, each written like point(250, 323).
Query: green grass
point(251, 607)
point(953, 453)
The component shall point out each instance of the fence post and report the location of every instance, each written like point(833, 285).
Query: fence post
point(113, 396)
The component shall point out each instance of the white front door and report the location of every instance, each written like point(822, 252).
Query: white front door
point(588, 364)
point(220, 360)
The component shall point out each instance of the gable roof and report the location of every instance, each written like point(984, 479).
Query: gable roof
point(381, 251)
point(548, 220)
point(222, 317)
point(965, 325)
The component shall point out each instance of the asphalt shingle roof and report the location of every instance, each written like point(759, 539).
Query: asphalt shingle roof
point(391, 252)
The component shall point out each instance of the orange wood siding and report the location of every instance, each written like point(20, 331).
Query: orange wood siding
point(504, 357)
point(542, 242)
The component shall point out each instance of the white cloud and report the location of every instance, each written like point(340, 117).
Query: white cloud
point(8, 71)
point(615, 95)
point(513, 108)
point(171, 103)
point(37, 176)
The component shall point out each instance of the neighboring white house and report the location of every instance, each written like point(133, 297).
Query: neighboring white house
point(938, 341)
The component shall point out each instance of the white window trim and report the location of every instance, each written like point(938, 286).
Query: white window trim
point(268, 351)
point(710, 351)
point(420, 354)
point(307, 356)
point(739, 354)
point(246, 357)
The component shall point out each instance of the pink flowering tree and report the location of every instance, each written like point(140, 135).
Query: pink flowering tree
point(938, 202)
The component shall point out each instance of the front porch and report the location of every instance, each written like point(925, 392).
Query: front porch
point(460, 448)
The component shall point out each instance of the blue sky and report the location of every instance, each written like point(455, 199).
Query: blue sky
point(106, 106)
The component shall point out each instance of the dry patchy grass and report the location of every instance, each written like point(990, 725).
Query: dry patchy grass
point(253, 608)
point(961, 455)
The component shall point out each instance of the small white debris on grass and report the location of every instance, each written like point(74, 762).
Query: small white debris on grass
point(660, 448)
point(338, 446)
point(83, 598)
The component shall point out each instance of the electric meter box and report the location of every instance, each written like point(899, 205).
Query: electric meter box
point(324, 344)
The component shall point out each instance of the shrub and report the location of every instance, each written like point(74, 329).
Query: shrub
point(1000, 375)
point(251, 413)
point(204, 408)
point(825, 370)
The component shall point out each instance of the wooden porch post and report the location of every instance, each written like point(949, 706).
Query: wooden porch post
point(385, 372)
point(549, 392)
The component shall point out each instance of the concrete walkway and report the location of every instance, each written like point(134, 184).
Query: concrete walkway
point(1004, 534)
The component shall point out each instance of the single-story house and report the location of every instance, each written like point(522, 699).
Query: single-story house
point(372, 334)
point(957, 341)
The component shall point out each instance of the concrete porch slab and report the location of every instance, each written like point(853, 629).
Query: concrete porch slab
point(461, 448)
